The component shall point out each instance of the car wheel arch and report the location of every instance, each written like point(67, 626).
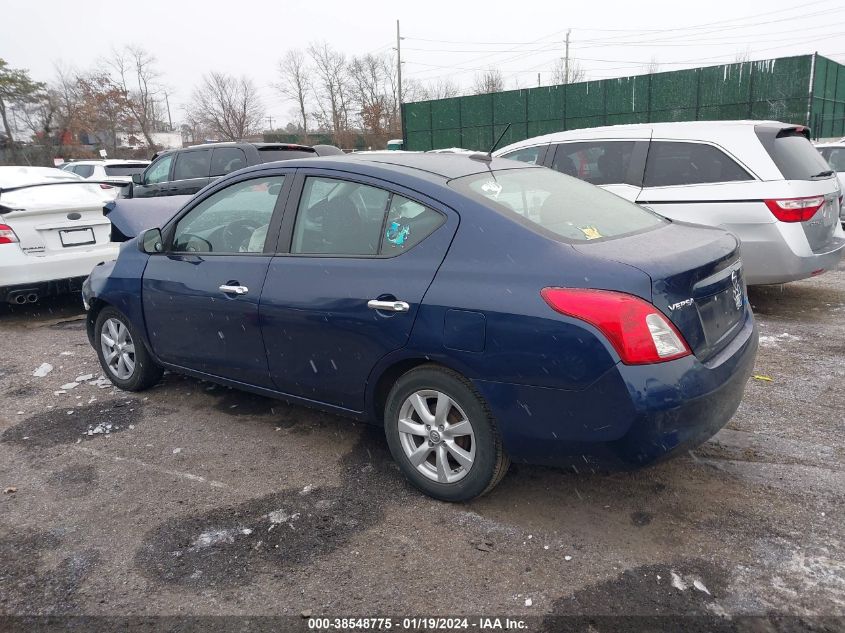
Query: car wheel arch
point(383, 382)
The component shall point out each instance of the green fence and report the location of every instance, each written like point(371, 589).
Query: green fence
point(778, 89)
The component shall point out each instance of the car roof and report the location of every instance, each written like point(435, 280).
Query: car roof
point(446, 166)
point(697, 130)
point(109, 161)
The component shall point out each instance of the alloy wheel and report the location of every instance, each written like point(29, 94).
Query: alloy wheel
point(118, 348)
point(436, 436)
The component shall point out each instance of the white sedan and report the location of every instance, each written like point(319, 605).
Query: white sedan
point(52, 232)
point(111, 175)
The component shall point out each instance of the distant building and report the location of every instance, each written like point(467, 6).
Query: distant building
point(163, 140)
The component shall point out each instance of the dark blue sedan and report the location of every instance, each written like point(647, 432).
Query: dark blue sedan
point(481, 310)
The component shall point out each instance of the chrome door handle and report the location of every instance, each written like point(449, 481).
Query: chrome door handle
point(388, 306)
point(234, 290)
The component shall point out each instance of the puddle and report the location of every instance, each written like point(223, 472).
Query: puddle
point(67, 424)
point(228, 546)
point(27, 580)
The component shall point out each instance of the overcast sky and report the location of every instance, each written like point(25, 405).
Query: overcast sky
point(442, 39)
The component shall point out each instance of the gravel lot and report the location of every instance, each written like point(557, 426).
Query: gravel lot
point(201, 500)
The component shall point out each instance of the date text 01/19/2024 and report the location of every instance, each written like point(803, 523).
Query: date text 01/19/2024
point(417, 623)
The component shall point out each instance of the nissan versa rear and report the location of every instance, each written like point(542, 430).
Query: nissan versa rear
point(480, 310)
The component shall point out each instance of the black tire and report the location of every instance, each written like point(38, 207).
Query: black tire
point(490, 462)
point(146, 372)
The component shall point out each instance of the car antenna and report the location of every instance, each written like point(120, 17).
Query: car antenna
point(489, 155)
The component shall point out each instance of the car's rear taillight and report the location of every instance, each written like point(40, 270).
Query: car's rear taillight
point(7, 235)
point(105, 186)
point(638, 331)
point(795, 209)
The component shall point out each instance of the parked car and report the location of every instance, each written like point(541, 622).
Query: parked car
point(180, 172)
point(52, 232)
point(834, 154)
point(479, 310)
point(761, 180)
point(112, 175)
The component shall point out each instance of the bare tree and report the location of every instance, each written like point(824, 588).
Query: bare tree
point(570, 73)
point(136, 74)
point(228, 106)
point(66, 84)
point(374, 95)
point(488, 81)
point(440, 89)
point(332, 91)
point(295, 83)
point(652, 66)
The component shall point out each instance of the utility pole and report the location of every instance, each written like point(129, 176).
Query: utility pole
point(270, 120)
point(169, 120)
point(538, 80)
point(399, 62)
point(566, 59)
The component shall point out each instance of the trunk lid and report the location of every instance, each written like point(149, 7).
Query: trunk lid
point(53, 218)
point(696, 279)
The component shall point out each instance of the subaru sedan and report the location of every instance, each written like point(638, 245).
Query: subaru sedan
point(480, 309)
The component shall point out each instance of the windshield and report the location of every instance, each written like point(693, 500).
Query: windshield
point(568, 207)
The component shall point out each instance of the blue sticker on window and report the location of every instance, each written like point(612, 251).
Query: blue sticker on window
point(397, 233)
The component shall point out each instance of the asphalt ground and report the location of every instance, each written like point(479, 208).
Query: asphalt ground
point(192, 499)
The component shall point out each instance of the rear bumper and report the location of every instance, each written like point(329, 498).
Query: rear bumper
point(19, 271)
point(774, 254)
point(632, 416)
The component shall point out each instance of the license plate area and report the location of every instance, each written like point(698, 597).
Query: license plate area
point(77, 237)
point(720, 312)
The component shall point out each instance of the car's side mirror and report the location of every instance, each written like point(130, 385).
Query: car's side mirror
point(151, 241)
point(138, 179)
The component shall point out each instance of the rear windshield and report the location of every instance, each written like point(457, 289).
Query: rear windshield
point(565, 206)
point(124, 170)
point(792, 152)
point(272, 154)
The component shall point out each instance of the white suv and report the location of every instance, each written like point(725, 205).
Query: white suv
point(112, 174)
point(52, 232)
point(762, 180)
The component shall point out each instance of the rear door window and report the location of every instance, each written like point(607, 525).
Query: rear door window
point(532, 155)
point(225, 160)
point(86, 171)
point(192, 165)
point(596, 162)
point(672, 163)
point(792, 152)
point(338, 217)
point(408, 223)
